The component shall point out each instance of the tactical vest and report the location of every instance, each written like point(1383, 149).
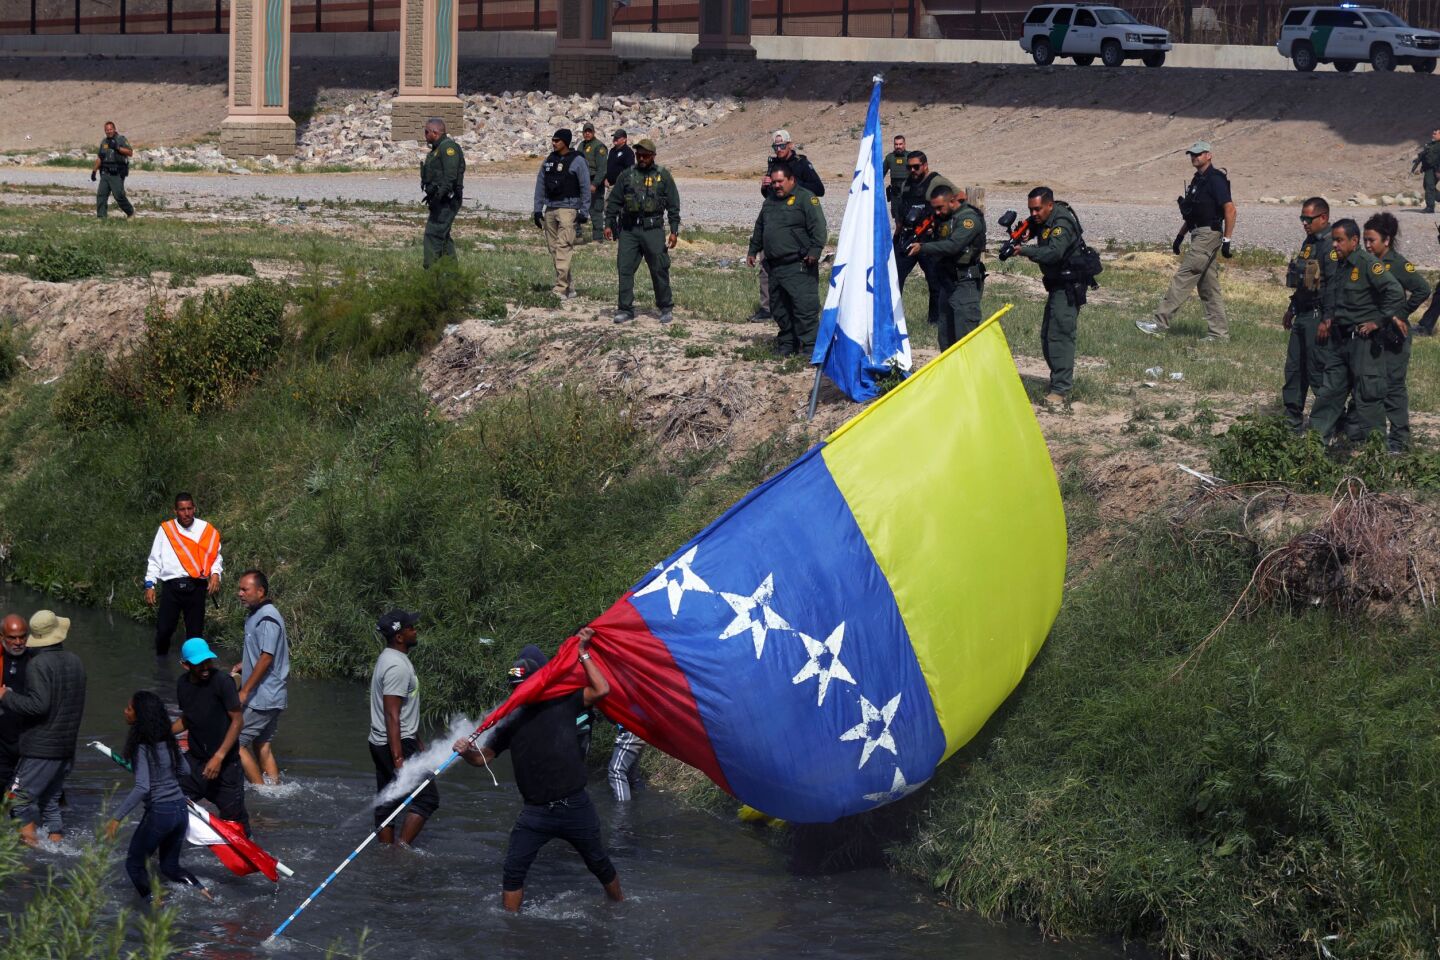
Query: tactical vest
point(561, 182)
point(1306, 272)
point(116, 163)
point(643, 203)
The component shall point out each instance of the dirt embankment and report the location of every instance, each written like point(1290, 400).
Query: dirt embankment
point(1090, 132)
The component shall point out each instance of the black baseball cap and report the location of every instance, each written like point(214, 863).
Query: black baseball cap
point(620, 133)
point(394, 621)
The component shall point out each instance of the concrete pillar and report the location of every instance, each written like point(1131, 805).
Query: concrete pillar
point(724, 31)
point(257, 121)
point(429, 44)
point(584, 60)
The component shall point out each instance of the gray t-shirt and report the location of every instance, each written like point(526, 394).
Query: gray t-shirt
point(265, 633)
point(394, 676)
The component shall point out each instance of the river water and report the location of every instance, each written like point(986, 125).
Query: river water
point(698, 887)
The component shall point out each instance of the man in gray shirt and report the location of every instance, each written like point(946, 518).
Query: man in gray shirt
point(561, 202)
point(262, 673)
point(395, 723)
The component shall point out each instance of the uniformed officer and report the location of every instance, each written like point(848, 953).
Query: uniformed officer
point(791, 233)
point(1432, 312)
point(596, 155)
point(1366, 297)
point(782, 150)
point(642, 200)
point(442, 177)
point(895, 167)
point(954, 249)
point(1428, 161)
point(1056, 231)
point(112, 166)
point(1311, 275)
point(913, 220)
point(620, 158)
point(1208, 213)
point(562, 201)
point(1381, 234)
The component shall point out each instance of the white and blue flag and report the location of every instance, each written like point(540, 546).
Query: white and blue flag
point(862, 329)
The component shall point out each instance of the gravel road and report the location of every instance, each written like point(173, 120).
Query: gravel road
point(705, 203)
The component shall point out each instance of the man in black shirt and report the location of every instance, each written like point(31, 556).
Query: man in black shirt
point(619, 159)
point(14, 632)
point(1208, 215)
point(550, 772)
point(210, 712)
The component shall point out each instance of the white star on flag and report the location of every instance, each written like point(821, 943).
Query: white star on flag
point(677, 589)
point(754, 613)
point(816, 650)
point(869, 716)
point(898, 788)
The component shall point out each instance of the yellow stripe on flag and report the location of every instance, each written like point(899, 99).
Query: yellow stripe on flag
point(950, 480)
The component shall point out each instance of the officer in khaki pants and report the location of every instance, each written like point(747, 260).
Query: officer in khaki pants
point(1209, 216)
point(562, 203)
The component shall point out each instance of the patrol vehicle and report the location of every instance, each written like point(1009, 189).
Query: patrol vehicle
point(1348, 35)
point(1083, 31)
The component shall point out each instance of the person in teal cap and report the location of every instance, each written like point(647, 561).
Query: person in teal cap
point(210, 714)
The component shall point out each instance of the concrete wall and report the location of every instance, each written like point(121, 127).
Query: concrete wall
point(525, 45)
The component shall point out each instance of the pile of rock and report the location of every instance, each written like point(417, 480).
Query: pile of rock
point(1400, 199)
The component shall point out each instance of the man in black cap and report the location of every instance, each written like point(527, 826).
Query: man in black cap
point(550, 772)
point(395, 723)
point(594, 152)
point(562, 203)
point(621, 158)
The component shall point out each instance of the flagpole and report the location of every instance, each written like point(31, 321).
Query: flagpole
point(814, 392)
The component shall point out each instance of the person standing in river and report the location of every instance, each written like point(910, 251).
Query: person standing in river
point(263, 674)
point(14, 634)
point(210, 712)
point(184, 567)
point(395, 723)
point(550, 772)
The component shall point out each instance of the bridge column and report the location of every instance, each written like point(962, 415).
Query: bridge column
point(724, 31)
point(429, 43)
point(257, 120)
point(584, 60)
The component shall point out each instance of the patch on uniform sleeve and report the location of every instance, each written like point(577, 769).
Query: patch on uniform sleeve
point(969, 224)
point(1334, 255)
point(1354, 274)
point(1056, 231)
point(815, 201)
point(1377, 268)
point(449, 151)
point(1409, 268)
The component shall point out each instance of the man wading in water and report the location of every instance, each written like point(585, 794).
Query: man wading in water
point(550, 772)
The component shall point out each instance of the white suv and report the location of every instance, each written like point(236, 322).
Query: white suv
point(1349, 34)
point(1084, 30)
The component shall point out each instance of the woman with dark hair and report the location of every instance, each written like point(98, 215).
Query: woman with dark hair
point(155, 757)
point(1382, 232)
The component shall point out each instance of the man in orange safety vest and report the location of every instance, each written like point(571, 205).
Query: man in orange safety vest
point(184, 568)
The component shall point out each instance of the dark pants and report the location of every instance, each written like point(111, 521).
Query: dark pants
point(112, 183)
point(437, 230)
point(597, 213)
point(425, 803)
point(183, 596)
point(903, 265)
point(39, 783)
point(795, 305)
point(226, 791)
point(162, 828)
point(1431, 193)
point(960, 307)
point(1305, 361)
point(1355, 369)
point(1431, 314)
point(1057, 340)
point(1397, 395)
point(637, 244)
point(573, 820)
point(9, 760)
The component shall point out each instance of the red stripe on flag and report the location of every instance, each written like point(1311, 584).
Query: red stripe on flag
point(649, 693)
point(247, 851)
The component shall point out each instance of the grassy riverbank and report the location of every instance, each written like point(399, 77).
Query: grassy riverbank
point(1273, 798)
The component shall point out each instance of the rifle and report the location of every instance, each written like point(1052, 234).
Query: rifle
point(912, 232)
point(1016, 234)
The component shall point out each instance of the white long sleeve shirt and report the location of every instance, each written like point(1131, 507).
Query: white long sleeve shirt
point(165, 565)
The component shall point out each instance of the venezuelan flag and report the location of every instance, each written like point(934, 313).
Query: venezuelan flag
point(820, 648)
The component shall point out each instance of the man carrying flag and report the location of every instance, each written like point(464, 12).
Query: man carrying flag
point(862, 331)
point(791, 232)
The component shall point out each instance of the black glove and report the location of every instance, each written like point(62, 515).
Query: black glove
point(539, 219)
point(1225, 249)
point(92, 176)
point(1175, 247)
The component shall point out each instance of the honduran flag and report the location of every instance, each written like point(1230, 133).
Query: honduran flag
point(821, 647)
point(862, 328)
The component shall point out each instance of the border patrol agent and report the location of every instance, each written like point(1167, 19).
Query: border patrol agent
point(782, 148)
point(955, 257)
point(644, 196)
point(1056, 231)
point(442, 177)
point(895, 166)
point(791, 233)
point(112, 166)
point(1312, 276)
point(1366, 296)
point(1428, 160)
point(1379, 237)
point(596, 156)
point(562, 203)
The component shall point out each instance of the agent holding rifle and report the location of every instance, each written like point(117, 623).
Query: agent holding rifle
point(1208, 216)
point(112, 166)
point(914, 221)
point(442, 178)
point(955, 249)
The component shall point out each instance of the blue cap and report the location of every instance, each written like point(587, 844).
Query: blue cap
point(196, 651)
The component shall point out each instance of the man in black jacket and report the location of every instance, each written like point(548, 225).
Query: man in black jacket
point(619, 159)
point(782, 150)
point(49, 710)
point(14, 633)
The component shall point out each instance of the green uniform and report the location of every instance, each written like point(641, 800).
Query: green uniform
point(787, 231)
point(1397, 355)
point(639, 204)
point(442, 177)
point(1311, 275)
point(1365, 292)
point(909, 210)
point(1429, 161)
point(114, 168)
point(955, 258)
point(895, 167)
point(1054, 240)
point(596, 157)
